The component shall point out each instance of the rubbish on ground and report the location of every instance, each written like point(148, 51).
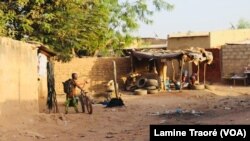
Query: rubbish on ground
point(162, 121)
point(34, 135)
point(109, 136)
point(155, 114)
point(62, 117)
point(178, 111)
point(114, 102)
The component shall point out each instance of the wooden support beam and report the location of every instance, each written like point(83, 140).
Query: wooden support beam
point(182, 63)
point(164, 71)
point(154, 68)
point(158, 69)
point(115, 80)
point(205, 69)
point(198, 73)
point(172, 61)
point(132, 63)
point(161, 77)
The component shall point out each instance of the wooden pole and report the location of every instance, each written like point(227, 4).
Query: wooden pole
point(182, 62)
point(164, 74)
point(154, 69)
point(198, 73)
point(173, 70)
point(115, 80)
point(132, 63)
point(205, 68)
point(161, 77)
point(159, 73)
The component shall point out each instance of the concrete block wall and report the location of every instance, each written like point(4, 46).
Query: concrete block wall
point(235, 58)
point(97, 70)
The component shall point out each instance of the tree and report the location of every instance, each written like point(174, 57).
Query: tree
point(72, 25)
point(243, 24)
point(2, 23)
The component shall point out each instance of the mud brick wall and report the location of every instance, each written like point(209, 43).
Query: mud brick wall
point(235, 58)
point(97, 70)
point(18, 76)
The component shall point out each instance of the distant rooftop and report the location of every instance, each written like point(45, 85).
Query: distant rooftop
point(188, 34)
point(159, 46)
point(204, 34)
point(240, 43)
point(154, 41)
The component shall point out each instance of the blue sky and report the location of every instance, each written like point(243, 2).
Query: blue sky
point(196, 15)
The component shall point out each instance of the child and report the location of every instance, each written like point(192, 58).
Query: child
point(193, 78)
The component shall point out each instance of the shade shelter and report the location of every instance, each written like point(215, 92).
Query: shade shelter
point(160, 57)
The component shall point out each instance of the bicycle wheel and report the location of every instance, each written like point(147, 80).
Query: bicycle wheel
point(81, 98)
point(88, 105)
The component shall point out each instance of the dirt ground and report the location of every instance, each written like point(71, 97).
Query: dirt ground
point(222, 105)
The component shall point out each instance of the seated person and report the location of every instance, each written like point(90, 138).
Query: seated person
point(193, 78)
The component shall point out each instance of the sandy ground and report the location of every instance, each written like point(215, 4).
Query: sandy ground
point(222, 105)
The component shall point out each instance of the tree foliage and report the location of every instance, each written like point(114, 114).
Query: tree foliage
point(243, 24)
point(67, 25)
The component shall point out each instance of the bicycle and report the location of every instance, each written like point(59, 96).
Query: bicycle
point(85, 102)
